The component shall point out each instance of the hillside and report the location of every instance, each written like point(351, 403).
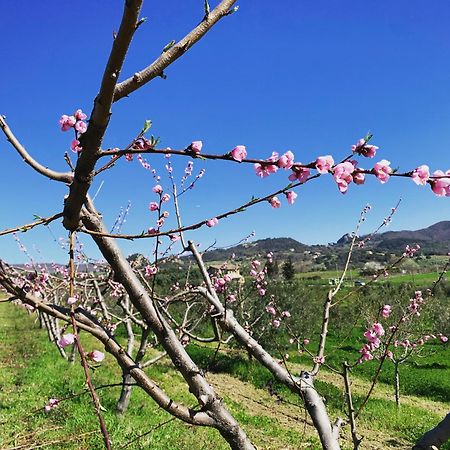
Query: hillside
point(434, 239)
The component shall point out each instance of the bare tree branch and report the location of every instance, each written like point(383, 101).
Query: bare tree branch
point(167, 57)
point(99, 119)
point(29, 226)
point(65, 177)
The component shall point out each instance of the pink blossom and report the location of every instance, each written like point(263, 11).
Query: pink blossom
point(239, 153)
point(71, 300)
point(299, 173)
point(150, 271)
point(261, 292)
point(291, 196)
point(67, 339)
point(378, 329)
point(212, 222)
point(157, 189)
point(67, 122)
point(324, 163)
point(382, 170)
point(79, 115)
point(365, 354)
point(271, 310)
point(81, 127)
point(444, 339)
point(96, 356)
point(306, 341)
point(276, 323)
point(52, 403)
point(319, 359)
point(421, 175)
point(342, 174)
point(286, 314)
point(359, 177)
point(231, 298)
point(160, 222)
point(361, 148)
point(441, 186)
point(265, 170)
point(196, 146)
point(386, 311)
point(153, 206)
point(165, 198)
point(286, 161)
point(275, 202)
point(75, 146)
point(129, 156)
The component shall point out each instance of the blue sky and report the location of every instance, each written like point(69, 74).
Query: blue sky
point(307, 76)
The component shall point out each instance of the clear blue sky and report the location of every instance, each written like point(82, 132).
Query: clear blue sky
point(307, 76)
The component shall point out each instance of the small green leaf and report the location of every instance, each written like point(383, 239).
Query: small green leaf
point(168, 46)
point(147, 125)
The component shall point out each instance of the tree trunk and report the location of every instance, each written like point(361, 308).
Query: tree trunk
point(436, 437)
point(125, 395)
point(397, 385)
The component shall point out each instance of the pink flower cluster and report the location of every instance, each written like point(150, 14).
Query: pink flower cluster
point(272, 310)
point(416, 303)
point(156, 206)
point(221, 282)
point(290, 197)
point(264, 170)
point(386, 311)
point(363, 149)
point(77, 122)
point(372, 336)
point(259, 275)
point(410, 251)
point(150, 271)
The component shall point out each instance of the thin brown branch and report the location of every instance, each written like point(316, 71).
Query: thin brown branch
point(29, 226)
point(167, 57)
point(65, 177)
point(197, 225)
point(84, 364)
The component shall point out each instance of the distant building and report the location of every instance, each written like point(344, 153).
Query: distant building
point(227, 268)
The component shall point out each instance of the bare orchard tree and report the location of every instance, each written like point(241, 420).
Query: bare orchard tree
point(138, 301)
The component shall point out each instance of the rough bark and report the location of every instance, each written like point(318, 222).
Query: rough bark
point(139, 296)
point(303, 385)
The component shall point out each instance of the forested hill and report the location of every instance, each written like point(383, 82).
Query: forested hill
point(434, 239)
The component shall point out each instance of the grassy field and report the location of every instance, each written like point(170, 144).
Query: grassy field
point(32, 372)
point(323, 277)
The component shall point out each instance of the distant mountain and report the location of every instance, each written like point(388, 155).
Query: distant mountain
point(433, 239)
point(260, 247)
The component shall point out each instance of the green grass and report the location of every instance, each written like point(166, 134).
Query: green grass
point(32, 372)
point(381, 415)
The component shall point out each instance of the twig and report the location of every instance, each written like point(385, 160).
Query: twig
point(84, 363)
point(29, 226)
